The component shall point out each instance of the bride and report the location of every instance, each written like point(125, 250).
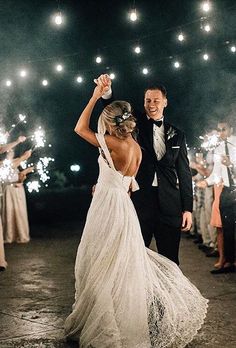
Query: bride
point(127, 296)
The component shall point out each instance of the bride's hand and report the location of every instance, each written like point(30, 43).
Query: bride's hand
point(99, 91)
point(103, 80)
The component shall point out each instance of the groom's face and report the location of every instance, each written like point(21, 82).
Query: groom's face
point(154, 103)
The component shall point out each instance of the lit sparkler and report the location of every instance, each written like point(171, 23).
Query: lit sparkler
point(21, 118)
point(42, 168)
point(3, 137)
point(33, 186)
point(39, 138)
point(210, 142)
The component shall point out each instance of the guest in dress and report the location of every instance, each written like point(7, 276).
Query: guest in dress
point(14, 212)
point(4, 148)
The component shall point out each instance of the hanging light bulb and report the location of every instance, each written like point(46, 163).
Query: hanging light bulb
point(233, 49)
point(145, 71)
point(177, 65)
point(181, 37)
point(207, 27)
point(133, 15)
point(98, 59)
point(59, 67)
point(58, 19)
point(112, 76)
point(23, 73)
point(205, 56)
point(44, 82)
point(206, 6)
point(79, 79)
point(8, 83)
point(137, 49)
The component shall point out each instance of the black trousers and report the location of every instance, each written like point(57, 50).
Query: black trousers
point(167, 237)
point(228, 217)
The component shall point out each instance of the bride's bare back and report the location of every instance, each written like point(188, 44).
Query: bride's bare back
point(127, 157)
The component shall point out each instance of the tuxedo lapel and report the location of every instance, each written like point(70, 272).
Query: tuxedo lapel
point(168, 143)
point(147, 131)
point(150, 133)
point(166, 129)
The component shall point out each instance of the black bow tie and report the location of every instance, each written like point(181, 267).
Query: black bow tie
point(158, 123)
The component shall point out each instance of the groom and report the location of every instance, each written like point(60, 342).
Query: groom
point(164, 201)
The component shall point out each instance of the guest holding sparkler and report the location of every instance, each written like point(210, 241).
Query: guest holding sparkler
point(224, 172)
point(217, 223)
point(7, 147)
point(205, 168)
point(14, 214)
point(204, 199)
point(4, 148)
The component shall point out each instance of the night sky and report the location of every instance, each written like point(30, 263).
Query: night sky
point(199, 92)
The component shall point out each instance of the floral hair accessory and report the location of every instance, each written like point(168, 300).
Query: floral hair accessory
point(121, 118)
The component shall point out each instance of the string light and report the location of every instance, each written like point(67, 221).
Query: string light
point(79, 79)
point(44, 83)
point(207, 28)
point(177, 65)
point(181, 37)
point(23, 73)
point(137, 49)
point(59, 68)
point(58, 19)
point(206, 6)
point(133, 15)
point(112, 76)
point(8, 83)
point(98, 59)
point(145, 71)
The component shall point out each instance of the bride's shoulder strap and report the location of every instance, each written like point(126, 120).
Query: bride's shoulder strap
point(103, 146)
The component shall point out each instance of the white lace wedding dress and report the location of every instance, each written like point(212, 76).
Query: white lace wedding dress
point(127, 296)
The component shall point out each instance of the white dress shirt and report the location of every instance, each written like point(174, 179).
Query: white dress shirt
point(158, 144)
point(219, 172)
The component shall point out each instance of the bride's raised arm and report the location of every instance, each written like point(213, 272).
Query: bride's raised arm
point(82, 126)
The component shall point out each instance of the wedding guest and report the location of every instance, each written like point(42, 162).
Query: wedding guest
point(224, 171)
point(217, 223)
point(14, 212)
point(4, 148)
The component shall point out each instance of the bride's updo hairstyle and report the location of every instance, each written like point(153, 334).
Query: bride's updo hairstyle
point(118, 118)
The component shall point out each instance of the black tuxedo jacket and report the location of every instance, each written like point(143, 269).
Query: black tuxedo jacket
point(173, 172)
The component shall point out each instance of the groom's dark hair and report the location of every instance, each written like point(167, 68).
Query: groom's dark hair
point(157, 87)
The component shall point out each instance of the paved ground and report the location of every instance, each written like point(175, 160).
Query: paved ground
point(38, 287)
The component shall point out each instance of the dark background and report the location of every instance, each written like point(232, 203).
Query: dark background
point(199, 93)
